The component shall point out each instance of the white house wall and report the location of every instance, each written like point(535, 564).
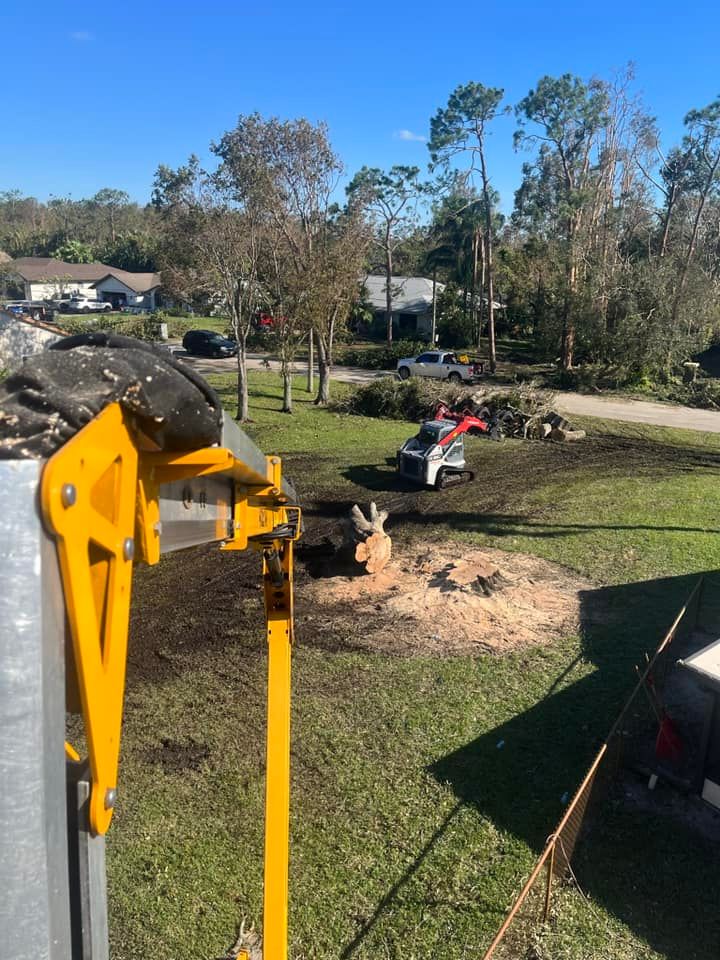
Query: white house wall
point(132, 298)
point(53, 290)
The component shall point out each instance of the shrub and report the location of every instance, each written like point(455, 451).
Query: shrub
point(416, 399)
point(704, 392)
point(392, 399)
point(139, 327)
point(382, 358)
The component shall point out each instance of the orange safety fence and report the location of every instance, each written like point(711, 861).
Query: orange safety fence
point(532, 905)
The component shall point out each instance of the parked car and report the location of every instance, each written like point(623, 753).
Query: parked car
point(18, 307)
point(442, 365)
point(84, 305)
point(208, 343)
point(37, 309)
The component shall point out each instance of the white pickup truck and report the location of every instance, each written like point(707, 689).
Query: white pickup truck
point(441, 364)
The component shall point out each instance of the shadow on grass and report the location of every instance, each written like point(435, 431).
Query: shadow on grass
point(401, 882)
point(503, 525)
point(658, 878)
point(521, 774)
point(492, 524)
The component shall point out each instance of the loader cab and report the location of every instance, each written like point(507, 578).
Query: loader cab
point(433, 431)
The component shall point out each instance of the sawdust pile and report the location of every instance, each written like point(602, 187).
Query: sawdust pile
point(447, 601)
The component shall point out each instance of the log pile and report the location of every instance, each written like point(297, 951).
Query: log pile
point(532, 419)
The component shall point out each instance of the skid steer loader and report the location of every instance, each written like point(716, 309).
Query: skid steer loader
point(435, 456)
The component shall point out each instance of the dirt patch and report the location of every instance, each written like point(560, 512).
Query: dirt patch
point(174, 756)
point(447, 601)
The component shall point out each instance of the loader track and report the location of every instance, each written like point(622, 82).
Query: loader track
point(453, 478)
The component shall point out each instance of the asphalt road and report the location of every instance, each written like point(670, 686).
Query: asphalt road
point(579, 404)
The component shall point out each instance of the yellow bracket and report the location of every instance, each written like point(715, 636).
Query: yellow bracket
point(88, 499)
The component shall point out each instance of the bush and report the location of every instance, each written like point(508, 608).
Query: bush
point(139, 327)
point(704, 392)
point(392, 399)
point(382, 358)
point(416, 399)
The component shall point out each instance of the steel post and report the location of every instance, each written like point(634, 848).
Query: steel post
point(34, 906)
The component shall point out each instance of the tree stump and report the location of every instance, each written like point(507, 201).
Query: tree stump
point(479, 576)
point(367, 538)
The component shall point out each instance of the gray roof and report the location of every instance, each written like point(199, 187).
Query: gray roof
point(39, 269)
point(409, 294)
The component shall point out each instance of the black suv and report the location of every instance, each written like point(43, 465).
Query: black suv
point(207, 343)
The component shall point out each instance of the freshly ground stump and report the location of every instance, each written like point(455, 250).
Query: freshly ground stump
point(445, 599)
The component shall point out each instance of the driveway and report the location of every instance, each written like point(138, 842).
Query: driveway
point(577, 404)
point(258, 361)
point(639, 411)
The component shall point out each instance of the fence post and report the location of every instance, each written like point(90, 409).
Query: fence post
point(548, 886)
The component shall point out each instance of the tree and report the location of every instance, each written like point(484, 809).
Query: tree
point(332, 287)
point(290, 170)
point(457, 228)
point(569, 115)
point(74, 251)
point(110, 202)
point(674, 181)
point(391, 199)
point(461, 127)
point(212, 249)
point(136, 252)
point(703, 142)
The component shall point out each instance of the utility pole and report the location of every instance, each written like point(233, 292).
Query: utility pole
point(434, 307)
point(311, 363)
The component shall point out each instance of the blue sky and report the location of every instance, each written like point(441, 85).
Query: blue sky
point(98, 94)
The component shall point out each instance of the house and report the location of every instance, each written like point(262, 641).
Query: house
point(45, 278)
point(412, 299)
point(21, 337)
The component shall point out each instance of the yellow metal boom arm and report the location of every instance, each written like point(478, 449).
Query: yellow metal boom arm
point(102, 498)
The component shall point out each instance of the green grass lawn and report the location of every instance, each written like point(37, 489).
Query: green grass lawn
point(411, 830)
point(180, 325)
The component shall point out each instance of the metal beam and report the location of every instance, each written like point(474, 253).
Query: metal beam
point(194, 511)
point(34, 905)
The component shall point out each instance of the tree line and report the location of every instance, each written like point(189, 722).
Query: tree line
point(611, 254)
point(107, 227)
